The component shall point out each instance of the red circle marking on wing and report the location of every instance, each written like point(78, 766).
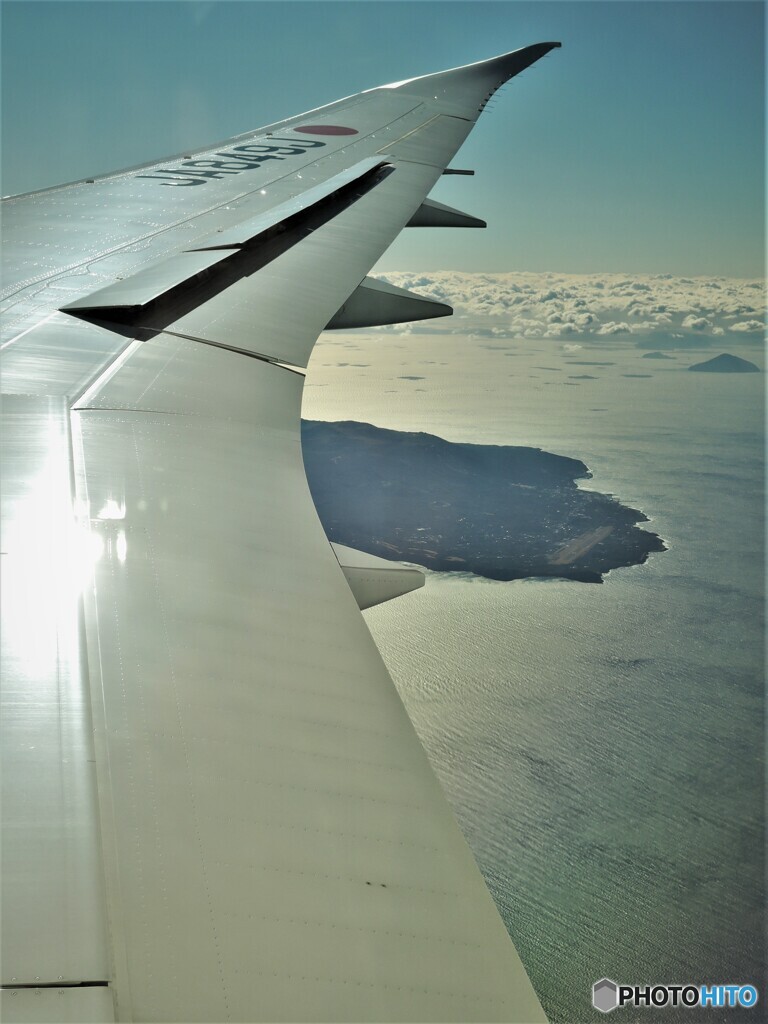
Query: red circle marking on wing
point(326, 129)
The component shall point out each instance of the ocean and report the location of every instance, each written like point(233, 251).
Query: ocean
point(602, 745)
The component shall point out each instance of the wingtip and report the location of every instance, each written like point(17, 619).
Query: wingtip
point(542, 48)
point(470, 86)
point(537, 49)
point(519, 60)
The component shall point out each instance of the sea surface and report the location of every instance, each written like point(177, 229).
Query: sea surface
point(602, 745)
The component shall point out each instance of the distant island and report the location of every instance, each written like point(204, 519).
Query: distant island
point(657, 355)
point(502, 512)
point(726, 363)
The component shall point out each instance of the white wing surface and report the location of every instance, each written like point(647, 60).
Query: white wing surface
point(214, 804)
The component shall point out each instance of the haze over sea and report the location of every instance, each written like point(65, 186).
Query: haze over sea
point(602, 746)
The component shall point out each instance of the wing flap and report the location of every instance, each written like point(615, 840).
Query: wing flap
point(140, 289)
point(278, 310)
point(266, 787)
point(161, 293)
point(280, 216)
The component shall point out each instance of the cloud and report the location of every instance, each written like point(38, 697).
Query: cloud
point(633, 308)
point(612, 328)
point(697, 323)
point(747, 326)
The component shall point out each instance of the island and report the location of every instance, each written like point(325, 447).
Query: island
point(657, 355)
point(726, 363)
point(498, 511)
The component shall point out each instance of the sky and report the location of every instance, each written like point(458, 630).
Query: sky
point(636, 148)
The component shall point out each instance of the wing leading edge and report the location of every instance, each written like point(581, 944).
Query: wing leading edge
point(215, 805)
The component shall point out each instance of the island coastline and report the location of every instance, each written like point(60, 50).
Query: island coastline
point(502, 512)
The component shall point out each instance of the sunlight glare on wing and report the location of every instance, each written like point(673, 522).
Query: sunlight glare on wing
point(49, 552)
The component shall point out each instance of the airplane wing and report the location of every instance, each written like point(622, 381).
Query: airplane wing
point(215, 806)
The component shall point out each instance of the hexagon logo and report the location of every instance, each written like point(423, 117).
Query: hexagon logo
point(605, 995)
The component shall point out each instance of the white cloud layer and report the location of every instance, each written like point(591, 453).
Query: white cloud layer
point(748, 326)
point(665, 310)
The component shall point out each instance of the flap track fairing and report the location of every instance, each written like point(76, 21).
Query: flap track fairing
point(376, 303)
point(437, 215)
point(374, 580)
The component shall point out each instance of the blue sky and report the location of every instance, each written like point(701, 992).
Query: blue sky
point(637, 147)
